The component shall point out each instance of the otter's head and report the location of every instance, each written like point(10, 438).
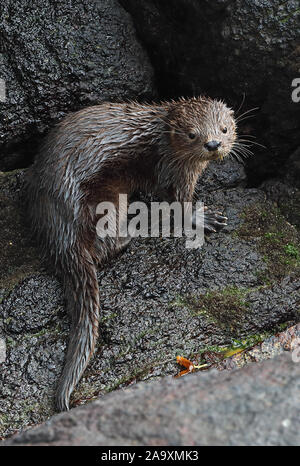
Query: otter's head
point(202, 128)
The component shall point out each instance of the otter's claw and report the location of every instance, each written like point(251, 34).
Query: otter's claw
point(213, 220)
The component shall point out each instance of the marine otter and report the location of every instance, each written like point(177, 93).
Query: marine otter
point(92, 156)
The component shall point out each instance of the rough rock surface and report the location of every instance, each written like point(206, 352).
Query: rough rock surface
point(285, 190)
point(256, 405)
point(57, 57)
point(231, 48)
point(159, 299)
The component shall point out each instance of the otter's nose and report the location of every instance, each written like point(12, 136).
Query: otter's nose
point(212, 145)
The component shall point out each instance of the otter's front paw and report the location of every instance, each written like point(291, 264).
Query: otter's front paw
point(213, 220)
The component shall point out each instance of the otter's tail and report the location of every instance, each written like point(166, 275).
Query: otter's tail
point(82, 295)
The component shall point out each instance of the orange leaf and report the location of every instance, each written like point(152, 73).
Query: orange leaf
point(185, 362)
point(181, 373)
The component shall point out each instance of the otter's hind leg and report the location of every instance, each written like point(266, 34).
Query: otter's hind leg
point(116, 237)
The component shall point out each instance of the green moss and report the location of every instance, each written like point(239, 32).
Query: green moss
point(10, 343)
point(135, 375)
point(249, 340)
point(290, 208)
point(283, 326)
point(277, 241)
point(108, 317)
point(42, 332)
point(225, 308)
point(292, 251)
point(285, 19)
point(84, 393)
point(29, 413)
point(51, 331)
point(4, 421)
point(236, 344)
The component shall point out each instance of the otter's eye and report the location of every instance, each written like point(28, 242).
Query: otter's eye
point(192, 135)
point(224, 130)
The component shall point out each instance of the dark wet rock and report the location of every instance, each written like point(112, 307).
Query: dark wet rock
point(285, 190)
point(228, 49)
point(292, 169)
point(222, 176)
point(19, 256)
point(59, 57)
point(286, 197)
point(34, 307)
point(256, 405)
point(158, 299)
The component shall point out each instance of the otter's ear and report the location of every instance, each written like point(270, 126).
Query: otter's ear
point(231, 112)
